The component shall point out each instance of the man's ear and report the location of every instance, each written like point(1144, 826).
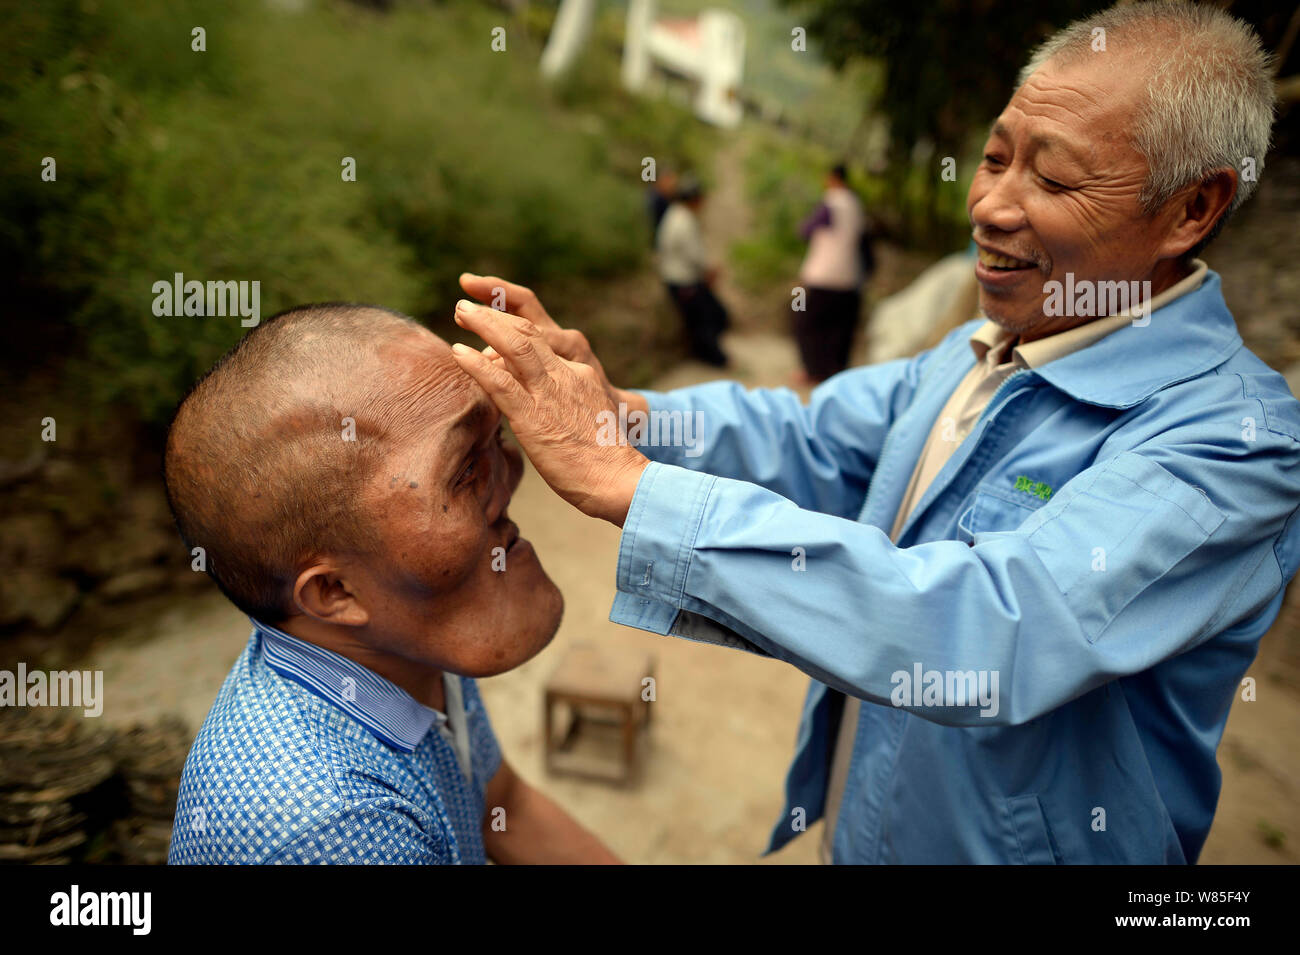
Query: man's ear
point(322, 592)
point(1197, 210)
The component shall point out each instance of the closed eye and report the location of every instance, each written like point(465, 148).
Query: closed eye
point(470, 469)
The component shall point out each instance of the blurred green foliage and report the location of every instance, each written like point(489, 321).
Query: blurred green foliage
point(947, 70)
point(784, 179)
point(226, 165)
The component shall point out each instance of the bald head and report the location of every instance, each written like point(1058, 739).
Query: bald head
point(269, 455)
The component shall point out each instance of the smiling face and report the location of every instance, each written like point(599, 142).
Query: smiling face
point(451, 584)
point(1058, 191)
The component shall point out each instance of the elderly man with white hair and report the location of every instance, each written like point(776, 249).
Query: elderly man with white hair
point(1028, 568)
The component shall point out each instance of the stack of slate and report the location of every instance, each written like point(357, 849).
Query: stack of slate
point(50, 761)
point(150, 759)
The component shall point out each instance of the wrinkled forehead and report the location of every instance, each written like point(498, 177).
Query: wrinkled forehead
point(1086, 94)
point(1082, 112)
point(424, 390)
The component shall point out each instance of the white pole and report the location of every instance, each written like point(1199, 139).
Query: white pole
point(568, 34)
point(636, 53)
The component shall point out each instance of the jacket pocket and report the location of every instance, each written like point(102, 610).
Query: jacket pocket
point(1110, 535)
point(1033, 838)
point(992, 512)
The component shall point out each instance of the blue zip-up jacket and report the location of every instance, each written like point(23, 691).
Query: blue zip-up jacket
point(1050, 651)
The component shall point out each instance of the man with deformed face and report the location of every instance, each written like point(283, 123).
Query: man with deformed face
point(349, 484)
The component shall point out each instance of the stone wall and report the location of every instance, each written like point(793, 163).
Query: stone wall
point(83, 519)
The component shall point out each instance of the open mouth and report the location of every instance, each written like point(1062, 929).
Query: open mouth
point(1002, 263)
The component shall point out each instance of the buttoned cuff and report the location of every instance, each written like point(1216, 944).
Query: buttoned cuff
point(654, 554)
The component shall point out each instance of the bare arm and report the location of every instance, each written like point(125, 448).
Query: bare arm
point(534, 830)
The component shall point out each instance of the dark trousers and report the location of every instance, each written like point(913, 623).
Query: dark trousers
point(824, 330)
point(704, 319)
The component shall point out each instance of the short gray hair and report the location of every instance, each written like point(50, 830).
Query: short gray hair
point(1210, 98)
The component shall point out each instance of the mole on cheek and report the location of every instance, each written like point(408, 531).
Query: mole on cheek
point(414, 484)
point(444, 508)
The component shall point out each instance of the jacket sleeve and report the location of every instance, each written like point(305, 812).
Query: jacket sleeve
point(1128, 564)
point(820, 456)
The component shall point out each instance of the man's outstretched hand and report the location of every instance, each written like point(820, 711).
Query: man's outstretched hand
point(554, 402)
point(568, 343)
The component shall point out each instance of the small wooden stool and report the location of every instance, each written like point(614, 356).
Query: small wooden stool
point(589, 678)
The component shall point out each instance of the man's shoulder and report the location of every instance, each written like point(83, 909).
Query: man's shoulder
point(259, 716)
point(1242, 399)
point(269, 828)
point(1202, 369)
point(271, 762)
point(1265, 388)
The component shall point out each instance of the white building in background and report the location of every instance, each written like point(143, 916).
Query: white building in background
point(708, 50)
point(568, 35)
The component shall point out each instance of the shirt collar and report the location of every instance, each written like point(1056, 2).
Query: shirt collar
point(1115, 363)
point(388, 711)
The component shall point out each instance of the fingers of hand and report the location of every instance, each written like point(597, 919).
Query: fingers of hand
point(570, 343)
point(514, 338)
point(494, 377)
point(508, 296)
point(585, 372)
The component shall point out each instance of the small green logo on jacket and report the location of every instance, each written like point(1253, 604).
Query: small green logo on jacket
point(1030, 486)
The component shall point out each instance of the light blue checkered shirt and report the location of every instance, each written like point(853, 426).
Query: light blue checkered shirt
point(308, 757)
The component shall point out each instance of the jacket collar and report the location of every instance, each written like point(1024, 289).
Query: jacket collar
point(1178, 341)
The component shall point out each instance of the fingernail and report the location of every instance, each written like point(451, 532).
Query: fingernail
point(460, 349)
point(462, 306)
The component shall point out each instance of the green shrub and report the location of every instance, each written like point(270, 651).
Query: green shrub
point(225, 165)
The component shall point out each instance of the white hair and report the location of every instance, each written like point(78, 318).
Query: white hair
point(1209, 96)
